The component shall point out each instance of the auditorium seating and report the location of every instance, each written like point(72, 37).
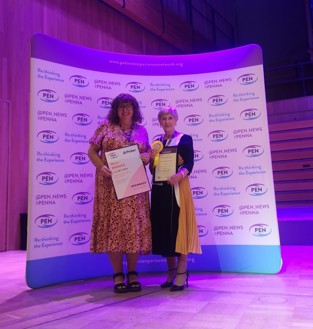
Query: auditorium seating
point(292, 159)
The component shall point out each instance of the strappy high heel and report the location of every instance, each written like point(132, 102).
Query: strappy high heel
point(121, 287)
point(168, 284)
point(180, 288)
point(133, 286)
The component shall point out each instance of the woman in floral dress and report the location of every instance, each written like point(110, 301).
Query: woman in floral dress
point(120, 227)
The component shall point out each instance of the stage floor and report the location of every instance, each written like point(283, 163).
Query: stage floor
point(212, 301)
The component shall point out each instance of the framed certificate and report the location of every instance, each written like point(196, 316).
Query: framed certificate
point(166, 164)
point(128, 172)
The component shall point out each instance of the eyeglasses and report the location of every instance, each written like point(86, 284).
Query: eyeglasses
point(125, 107)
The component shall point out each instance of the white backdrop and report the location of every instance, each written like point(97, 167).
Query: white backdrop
point(220, 99)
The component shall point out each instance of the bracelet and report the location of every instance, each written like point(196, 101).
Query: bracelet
point(183, 174)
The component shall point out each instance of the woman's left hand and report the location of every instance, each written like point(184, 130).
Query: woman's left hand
point(174, 179)
point(145, 157)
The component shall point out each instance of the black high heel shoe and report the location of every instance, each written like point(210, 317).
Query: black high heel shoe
point(168, 284)
point(133, 286)
point(180, 288)
point(121, 287)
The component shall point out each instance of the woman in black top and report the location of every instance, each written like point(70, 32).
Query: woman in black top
point(174, 229)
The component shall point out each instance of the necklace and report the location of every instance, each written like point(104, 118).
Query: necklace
point(127, 132)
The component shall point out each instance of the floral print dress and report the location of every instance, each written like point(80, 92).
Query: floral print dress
point(119, 225)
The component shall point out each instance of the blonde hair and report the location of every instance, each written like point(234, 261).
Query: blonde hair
point(168, 110)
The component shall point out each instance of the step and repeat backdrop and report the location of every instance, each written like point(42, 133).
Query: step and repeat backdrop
point(220, 99)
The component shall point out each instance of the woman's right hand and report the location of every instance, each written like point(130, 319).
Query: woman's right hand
point(105, 171)
point(153, 153)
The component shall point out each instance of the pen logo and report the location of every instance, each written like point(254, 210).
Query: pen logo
point(158, 104)
point(157, 137)
point(247, 79)
point(256, 189)
point(223, 210)
point(198, 155)
point(250, 114)
point(79, 238)
point(260, 230)
point(222, 172)
point(193, 120)
point(80, 158)
point(47, 178)
point(82, 198)
point(46, 221)
point(135, 87)
point(202, 231)
point(48, 95)
point(189, 86)
point(82, 119)
point(199, 192)
point(217, 100)
point(105, 102)
point(48, 136)
point(79, 81)
point(217, 135)
point(253, 151)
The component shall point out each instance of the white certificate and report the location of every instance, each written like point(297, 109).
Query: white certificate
point(166, 164)
point(128, 172)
